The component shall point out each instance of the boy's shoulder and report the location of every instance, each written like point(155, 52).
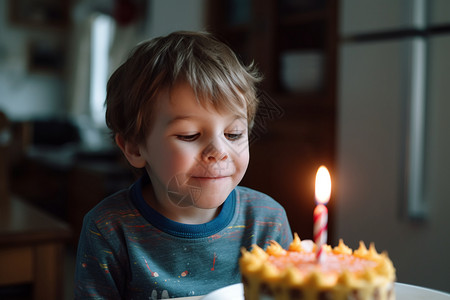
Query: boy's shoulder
point(116, 203)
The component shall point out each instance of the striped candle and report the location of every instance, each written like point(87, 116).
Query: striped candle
point(322, 195)
point(320, 228)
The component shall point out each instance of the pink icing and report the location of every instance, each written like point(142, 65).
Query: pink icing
point(332, 263)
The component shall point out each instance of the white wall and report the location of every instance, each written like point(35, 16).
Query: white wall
point(371, 143)
point(166, 16)
point(23, 94)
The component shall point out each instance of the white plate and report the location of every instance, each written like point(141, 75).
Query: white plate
point(406, 291)
point(231, 292)
point(402, 292)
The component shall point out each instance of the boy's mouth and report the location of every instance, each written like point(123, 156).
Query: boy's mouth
point(209, 177)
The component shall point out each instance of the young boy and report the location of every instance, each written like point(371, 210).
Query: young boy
point(180, 108)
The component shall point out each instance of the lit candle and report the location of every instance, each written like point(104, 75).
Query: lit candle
point(322, 195)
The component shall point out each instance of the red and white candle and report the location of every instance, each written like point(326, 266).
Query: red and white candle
point(322, 195)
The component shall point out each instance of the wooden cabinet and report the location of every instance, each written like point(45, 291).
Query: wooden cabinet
point(32, 245)
point(294, 45)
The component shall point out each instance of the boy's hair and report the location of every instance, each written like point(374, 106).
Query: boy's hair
point(209, 66)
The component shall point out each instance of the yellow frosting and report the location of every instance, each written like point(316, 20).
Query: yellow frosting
point(342, 248)
point(342, 268)
point(296, 244)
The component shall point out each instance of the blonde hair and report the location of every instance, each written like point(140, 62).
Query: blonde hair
point(209, 66)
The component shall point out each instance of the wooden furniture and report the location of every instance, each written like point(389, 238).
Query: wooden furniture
point(32, 249)
point(295, 132)
point(4, 163)
point(89, 182)
point(75, 178)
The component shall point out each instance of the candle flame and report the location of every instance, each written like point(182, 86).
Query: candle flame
point(323, 185)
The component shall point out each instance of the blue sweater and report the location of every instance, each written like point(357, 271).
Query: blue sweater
point(127, 250)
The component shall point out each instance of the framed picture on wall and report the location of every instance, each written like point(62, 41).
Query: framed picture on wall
point(39, 13)
point(46, 56)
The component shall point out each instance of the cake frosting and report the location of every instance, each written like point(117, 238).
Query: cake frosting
point(296, 273)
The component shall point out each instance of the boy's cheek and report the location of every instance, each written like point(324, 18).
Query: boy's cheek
point(175, 166)
point(240, 151)
point(244, 161)
point(242, 148)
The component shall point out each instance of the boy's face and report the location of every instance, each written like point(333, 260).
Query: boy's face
point(195, 155)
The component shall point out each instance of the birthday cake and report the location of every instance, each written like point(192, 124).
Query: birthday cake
point(298, 273)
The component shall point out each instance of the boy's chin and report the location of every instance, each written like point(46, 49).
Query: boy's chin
point(205, 194)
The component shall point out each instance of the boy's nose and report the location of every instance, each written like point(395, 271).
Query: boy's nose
point(215, 150)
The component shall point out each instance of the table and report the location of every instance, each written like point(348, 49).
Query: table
point(32, 248)
point(402, 291)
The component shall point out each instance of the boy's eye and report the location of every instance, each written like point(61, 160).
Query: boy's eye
point(233, 136)
point(188, 138)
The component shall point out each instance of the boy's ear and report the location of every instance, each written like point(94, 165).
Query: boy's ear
point(131, 152)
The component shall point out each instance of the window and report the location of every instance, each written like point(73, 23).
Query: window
point(102, 33)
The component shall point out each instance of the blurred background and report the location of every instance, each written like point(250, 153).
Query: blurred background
point(356, 85)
